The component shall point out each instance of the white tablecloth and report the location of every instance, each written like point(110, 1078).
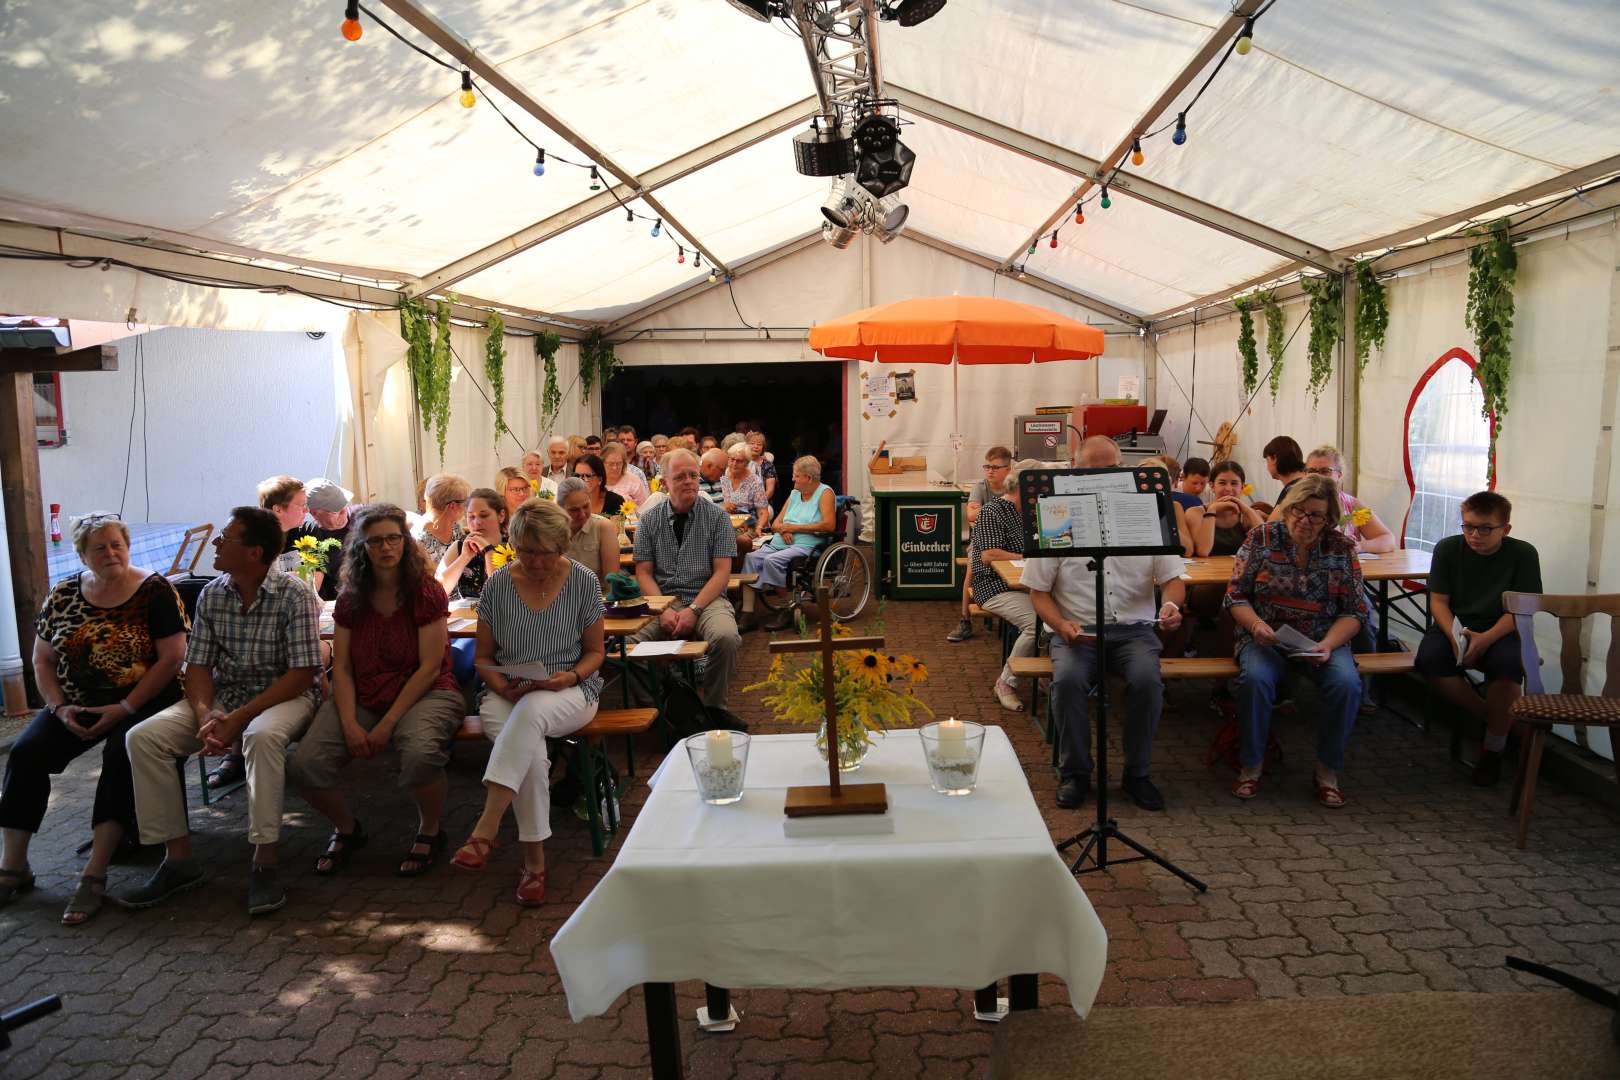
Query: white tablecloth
point(965, 891)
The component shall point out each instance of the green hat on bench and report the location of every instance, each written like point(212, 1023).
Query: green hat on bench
point(624, 595)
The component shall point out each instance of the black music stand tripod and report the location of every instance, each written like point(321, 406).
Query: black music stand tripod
point(1093, 839)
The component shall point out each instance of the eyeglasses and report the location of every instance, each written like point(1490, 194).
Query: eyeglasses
point(90, 521)
point(377, 543)
point(1324, 470)
point(533, 553)
point(221, 540)
point(1310, 517)
point(996, 468)
point(1480, 530)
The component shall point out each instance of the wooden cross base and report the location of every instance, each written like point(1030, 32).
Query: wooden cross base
point(822, 801)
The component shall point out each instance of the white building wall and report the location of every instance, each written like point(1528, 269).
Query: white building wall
point(223, 409)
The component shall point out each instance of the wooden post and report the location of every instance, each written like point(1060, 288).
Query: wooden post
point(25, 524)
point(829, 696)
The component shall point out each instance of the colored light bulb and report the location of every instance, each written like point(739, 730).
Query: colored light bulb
point(1180, 136)
point(681, 256)
point(1106, 201)
point(352, 29)
point(596, 179)
point(1136, 152)
point(1054, 239)
point(1079, 215)
point(467, 98)
point(540, 163)
point(714, 277)
point(1032, 247)
point(1245, 40)
point(658, 227)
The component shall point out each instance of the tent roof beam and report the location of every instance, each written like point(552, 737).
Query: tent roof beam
point(1074, 296)
point(756, 262)
point(660, 176)
point(426, 23)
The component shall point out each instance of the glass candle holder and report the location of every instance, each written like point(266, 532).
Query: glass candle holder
point(719, 761)
point(952, 749)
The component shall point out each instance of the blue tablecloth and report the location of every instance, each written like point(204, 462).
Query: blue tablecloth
point(151, 545)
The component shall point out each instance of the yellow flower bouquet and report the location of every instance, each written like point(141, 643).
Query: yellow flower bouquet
point(314, 556)
point(500, 555)
point(1357, 518)
point(872, 691)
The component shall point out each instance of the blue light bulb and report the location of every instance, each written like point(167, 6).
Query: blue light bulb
point(540, 163)
point(1180, 135)
point(658, 227)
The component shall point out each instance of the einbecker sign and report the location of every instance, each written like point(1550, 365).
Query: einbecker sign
point(926, 552)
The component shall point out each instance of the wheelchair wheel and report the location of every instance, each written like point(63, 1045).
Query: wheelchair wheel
point(771, 601)
point(847, 577)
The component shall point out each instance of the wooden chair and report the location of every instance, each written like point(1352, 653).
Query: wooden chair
point(199, 533)
point(1539, 710)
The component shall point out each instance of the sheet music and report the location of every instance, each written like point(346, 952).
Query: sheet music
point(1070, 521)
point(1130, 520)
point(1294, 643)
point(1092, 483)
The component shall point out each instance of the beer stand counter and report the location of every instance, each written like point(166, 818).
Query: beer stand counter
point(917, 536)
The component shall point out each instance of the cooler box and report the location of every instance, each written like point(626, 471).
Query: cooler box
point(1112, 419)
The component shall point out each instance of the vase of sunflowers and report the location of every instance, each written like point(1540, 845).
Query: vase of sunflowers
point(872, 692)
point(314, 557)
point(625, 518)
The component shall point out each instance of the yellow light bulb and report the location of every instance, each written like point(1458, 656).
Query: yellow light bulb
point(1244, 44)
point(468, 99)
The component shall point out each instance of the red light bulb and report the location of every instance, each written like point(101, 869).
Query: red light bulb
point(1054, 239)
point(352, 30)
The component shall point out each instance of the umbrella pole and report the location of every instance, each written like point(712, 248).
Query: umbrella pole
point(956, 424)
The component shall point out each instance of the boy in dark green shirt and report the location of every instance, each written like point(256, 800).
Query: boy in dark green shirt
point(1467, 578)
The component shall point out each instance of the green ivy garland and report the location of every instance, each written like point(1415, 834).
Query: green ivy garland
point(1327, 328)
point(495, 372)
point(1276, 339)
point(1246, 344)
point(546, 344)
point(1372, 314)
point(1492, 268)
point(598, 363)
point(441, 374)
point(428, 360)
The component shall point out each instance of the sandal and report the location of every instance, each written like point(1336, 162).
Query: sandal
point(232, 769)
point(474, 854)
point(13, 883)
point(1329, 795)
point(415, 865)
point(531, 890)
point(87, 900)
point(339, 846)
point(1246, 787)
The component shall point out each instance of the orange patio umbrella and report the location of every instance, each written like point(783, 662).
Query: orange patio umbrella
point(956, 330)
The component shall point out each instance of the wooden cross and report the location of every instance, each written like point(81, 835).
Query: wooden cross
point(835, 797)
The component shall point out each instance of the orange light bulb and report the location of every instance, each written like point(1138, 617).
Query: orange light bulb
point(1136, 157)
point(352, 29)
point(1079, 217)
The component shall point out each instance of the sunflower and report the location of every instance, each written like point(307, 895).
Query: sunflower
point(1248, 490)
point(304, 543)
point(914, 669)
point(873, 667)
point(500, 555)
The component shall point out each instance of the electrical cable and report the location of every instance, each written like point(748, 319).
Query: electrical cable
point(129, 443)
point(486, 397)
point(738, 310)
point(1192, 399)
point(146, 416)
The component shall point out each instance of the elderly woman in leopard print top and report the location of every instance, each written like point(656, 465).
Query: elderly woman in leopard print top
point(107, 655)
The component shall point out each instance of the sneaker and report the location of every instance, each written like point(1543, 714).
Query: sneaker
point(1072, 792)
point(1488, 769)
point(1143, 792)
point(171, 878)
point(1008, 697)
point(265, 893)
point(963, 631)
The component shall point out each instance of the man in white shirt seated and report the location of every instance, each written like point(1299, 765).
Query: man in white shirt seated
point(1064, 592)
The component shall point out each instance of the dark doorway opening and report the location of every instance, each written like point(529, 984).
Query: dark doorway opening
point(799, 406)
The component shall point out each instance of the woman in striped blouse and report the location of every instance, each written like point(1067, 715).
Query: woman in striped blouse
point(541, 608)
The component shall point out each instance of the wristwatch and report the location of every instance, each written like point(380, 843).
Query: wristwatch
point(695, 609)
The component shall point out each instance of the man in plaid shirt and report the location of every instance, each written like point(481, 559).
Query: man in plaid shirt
point(684, 548)
point(251, 667)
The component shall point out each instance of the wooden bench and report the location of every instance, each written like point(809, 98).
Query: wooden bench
point(589, 760)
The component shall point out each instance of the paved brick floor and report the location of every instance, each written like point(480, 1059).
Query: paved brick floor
point(1414, 886)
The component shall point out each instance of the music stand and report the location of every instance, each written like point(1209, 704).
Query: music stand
point(1034, 486)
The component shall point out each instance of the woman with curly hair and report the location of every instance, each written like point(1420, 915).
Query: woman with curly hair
point(391, 683)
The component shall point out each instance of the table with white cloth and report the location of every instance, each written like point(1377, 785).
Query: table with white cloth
point(963, 892)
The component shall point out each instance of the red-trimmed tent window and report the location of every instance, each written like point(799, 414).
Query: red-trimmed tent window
point(1447, 452)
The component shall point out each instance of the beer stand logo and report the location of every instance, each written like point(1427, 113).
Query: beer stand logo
point(926, 523)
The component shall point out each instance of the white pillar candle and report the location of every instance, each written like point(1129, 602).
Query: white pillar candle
point(952, 738)
point(719, 747)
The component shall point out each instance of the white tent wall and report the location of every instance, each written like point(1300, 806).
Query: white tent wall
point(206, 430)
point(1200, 371)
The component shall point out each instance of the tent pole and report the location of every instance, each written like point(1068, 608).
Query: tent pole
point(956, 423)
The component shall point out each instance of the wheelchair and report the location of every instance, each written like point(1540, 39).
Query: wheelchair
point(836, 563)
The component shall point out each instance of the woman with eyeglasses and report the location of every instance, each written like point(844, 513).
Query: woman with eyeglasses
point(107, 655)
point(591, 470)
point(541, 608)
point(467, 564)
point(391, 684)
point(619, 479)
point(1298, 577)
point(446, 498)
point(593, 542)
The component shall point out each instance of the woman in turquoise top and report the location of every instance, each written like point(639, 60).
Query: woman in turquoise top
point(810, 509)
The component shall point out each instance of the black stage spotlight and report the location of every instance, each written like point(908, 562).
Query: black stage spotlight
point(883, 163)
point(763, 10)
point(823, 153)
point(909, 12)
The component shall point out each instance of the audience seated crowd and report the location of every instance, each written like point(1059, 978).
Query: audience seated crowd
point(120, 666)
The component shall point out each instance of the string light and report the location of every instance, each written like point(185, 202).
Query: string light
point(681, 256)
point(351, 21)
point(1106, 201)
point(540, 163)
point(697, 260)
point(1032, 247)
point(658, 227)
point(629, 216)
point(596, 179)
point(1136, 151)
point(1245, 40)
point(1180, 137)
point(468, 98)
point(1079, 213)
point(1054, 239)
point(714, 277)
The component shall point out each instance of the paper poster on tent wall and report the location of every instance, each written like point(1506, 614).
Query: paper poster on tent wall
point(905, 386)
point(877, 396)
